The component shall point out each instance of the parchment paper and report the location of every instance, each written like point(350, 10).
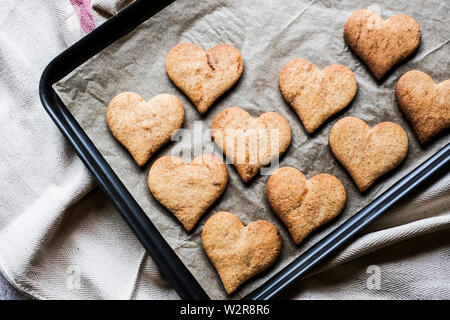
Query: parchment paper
point(269, 33)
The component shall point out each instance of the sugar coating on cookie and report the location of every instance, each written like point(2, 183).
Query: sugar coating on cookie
point(381, 44)
point(425, 104)
point(204, 76)
point(188, 190)
point(304, 204)
point(250, 143)
point(143, 127)
point(316, 95)
point(366, 153)
point(238, 252)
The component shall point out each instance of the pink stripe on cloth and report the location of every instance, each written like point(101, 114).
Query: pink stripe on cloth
point(83, 11)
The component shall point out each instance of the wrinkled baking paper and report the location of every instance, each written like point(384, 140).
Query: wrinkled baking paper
point(268, 33)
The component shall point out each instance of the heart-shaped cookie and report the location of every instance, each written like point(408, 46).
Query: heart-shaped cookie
point(237, 252)
point(381, 44)
point(204, 76)
point(425, 104)
point(250, 143)
point(316, 95)
point(304, 205)
point(366, 153)
point(143, 127)
point(188, 190)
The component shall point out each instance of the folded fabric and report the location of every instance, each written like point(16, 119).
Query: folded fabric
point(62, 239)
point(110, 6)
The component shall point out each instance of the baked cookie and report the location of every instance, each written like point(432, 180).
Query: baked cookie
point(204, 76)
point(251, 143)
point(304, 205)
point(188, 190)
point(316, 95)
point(143, 127)
point(237, 252)
point(381, 44)
point(425, 104)
point(368, 153)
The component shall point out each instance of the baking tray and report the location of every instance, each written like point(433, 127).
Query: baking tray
point(162, 254)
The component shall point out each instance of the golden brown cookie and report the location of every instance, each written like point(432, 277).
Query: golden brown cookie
point(425, 104)
point(204, 76)
point(237, 252)
point(366, 153)
point(249, 142)
point(316, 95)
point(188, 190)
point(381, 44)
point(304, 205)
point(143, 127)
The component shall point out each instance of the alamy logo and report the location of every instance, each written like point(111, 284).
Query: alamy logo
point(374, 279)
point(73, 277)
point(252, 146)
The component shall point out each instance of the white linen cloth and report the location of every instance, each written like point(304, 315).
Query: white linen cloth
point(60, 238)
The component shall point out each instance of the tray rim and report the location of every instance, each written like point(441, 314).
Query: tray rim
point(159, 250)
point(162, 254)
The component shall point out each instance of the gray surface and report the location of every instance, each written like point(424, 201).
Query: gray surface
point(8, 292)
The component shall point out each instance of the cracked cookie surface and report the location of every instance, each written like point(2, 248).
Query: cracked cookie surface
point(204, 76)
point(381, 44)
point(425, 104)
point(367, 153)
point(315, 94)
point(188, 190)
point(239, 252)
point(250, 143)
point(304, 204)
point(144, 127)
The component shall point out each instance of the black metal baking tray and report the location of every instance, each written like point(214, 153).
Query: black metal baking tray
point(162, 254)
